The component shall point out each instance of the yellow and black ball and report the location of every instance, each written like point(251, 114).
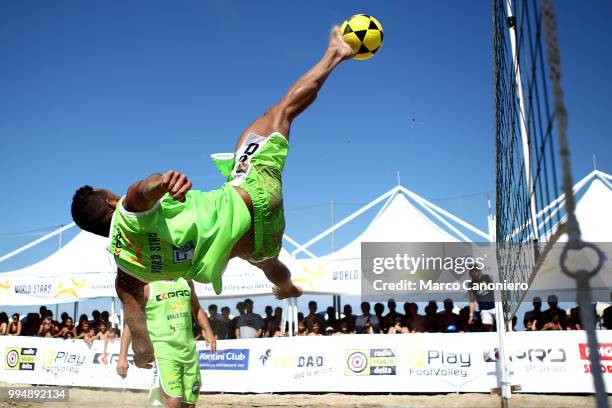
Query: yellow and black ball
point(364, 34)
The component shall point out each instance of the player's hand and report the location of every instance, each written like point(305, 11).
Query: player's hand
point(122, 367)
point(212, 344)
point(176, 184)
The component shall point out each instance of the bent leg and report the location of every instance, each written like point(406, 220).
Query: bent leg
point(278, 273)
point(131, 292)
point(302, 94)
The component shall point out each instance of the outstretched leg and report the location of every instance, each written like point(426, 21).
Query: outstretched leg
point(302, 94)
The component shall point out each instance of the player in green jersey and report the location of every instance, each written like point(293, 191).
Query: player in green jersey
point(169, 310)
point(161, 229)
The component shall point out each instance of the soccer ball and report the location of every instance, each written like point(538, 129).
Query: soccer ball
point(364, 34)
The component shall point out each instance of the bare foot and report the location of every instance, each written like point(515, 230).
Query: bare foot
point(338, 45)
point(292, 291)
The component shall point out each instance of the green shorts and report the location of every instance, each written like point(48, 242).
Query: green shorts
point(180, 380)
point(257, 169)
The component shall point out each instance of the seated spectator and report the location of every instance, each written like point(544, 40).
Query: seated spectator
point(555, 321)
point(102, 333)
point(532, 324)
point(313, 316)
point(46, 328)
point(431, 317)
point(329, 331)
point(535, 314)
point(68, 328)
point(62, 321)
point(31, 325)
point(68, 336)
point(390, 318)
point(397, 327)
point(249, 325)
point(82, 329)
point(379, 309)
point(316, 329)
point(332, 320)
point(554, 312)
point(302, 330)
point(14, 326)
point(463, 324)
point(448, 320)
point(344, 328)
point(415, 322)
point(366, 322)
point(95, 319)
point(574, 322)
point(607, 318)
point(4, 321)
point(90, 336)
point(349, 318)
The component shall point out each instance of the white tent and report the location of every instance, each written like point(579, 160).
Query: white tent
point(594, 215)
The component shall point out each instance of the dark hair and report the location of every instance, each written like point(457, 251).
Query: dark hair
point(89, 211)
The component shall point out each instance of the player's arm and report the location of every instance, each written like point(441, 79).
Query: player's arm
point(143, 194)
point(131, 293)
point(202, 320)
point(122, 363)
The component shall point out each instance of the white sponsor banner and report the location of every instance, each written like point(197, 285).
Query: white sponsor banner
point(32, 290)
point(551, 362)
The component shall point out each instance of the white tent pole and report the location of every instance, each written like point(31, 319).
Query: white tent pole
point(297, 244)
point(283, 317)
point(386, 204)
point(36, 242)
point(112, 319)
point(431, 205)
point(343, 222)
point(295, 312)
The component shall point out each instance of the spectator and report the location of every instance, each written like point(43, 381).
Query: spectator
point(269, 317)
point(379, 309)
point(574, 322)
point(391, 317)
point(316, 329)
point(82, 328)
point(68, 328)
point(302, 330)
point(535, 314)
point(332, 320)
point(214, 319)
point(14, 326)
point(63, 318)
point(234, 326)
point(249, 325)
point(313, 316)
point(344, 328)
point(531, 324)
point(366, 322)
point(485, 299)
point(431, 317)
point(415, 322)
point(397, 327)
point(554, 312)
point(555, 321)
point(102, 330)
point(448, 321)
point(463, 320)
point(46, 328)
point(105, 317)
point(31, 325)
point(349, 318)
point(607, 318)
point(224, 326)
point(329, 331)
point(42, 311)
point(90, 336)
point(278, 316)
point(95, 321)
point(4, 321)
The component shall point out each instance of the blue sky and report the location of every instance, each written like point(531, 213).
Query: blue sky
point(107, 93)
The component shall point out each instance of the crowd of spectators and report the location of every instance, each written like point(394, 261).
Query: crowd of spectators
point(43, 324)
point(247, 324)
point(450, 319)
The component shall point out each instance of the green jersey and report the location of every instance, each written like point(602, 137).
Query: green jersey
point(169, 321)
point(191, 239)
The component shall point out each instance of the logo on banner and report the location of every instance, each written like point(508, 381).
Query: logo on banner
point(111, 358)
point(303, 364)
point(60, 362)
point(536, 359)
point(380, 361)
point(229, 359)
point(17, 358)
point(439, 363)
point(605, 357)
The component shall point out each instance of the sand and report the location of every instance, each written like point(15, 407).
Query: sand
point(94, 398)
